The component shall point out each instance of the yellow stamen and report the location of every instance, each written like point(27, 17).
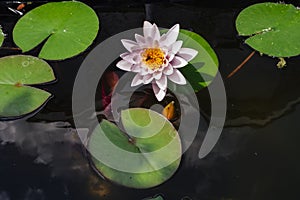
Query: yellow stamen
point(153, 58)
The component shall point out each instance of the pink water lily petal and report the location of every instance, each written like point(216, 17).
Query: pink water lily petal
point(149, 42)
point(174, 57)
point(159, 94)
point(176, 46)
point(155, 33)
point(124, 54)
point(155, 44)
point(124, 65)
point(137, 80)
point(147, 29)
point(187, 53)
point(136, 68)
point(168, 70)
point(157, 75)
point(129, 44)
point(178, 62)
point(150, 71)
point(166, 63)
point(140, 39)
point(133, 58)
point(162, 82)
point(159, 69)
point(147, 78)
point(144, 71)
point(170, 37)
point(170, 56)
point(163, 41)
point(177, 77)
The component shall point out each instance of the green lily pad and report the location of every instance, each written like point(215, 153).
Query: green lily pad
point(203, 68)
point(67, 28)
point(273, 28)
point(1, 36)
point(16, 74)
point(146, 156)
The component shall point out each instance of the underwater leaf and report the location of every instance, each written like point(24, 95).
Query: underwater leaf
point(1, 36)
point(67, 28)
point(16, 74)
point(157, 197)
point(203, 68)
point(151, 148)
point(108, 83)
point(273, 28)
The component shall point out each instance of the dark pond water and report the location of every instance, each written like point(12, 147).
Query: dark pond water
point(257, 156)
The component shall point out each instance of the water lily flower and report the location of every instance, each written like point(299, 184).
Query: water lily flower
point(156, 58)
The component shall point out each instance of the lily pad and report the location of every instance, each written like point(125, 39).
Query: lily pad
point(67, 28)
point(16, 74)
point(273, 28)
point(203, 68)
point(146, 156)
point(1, 36)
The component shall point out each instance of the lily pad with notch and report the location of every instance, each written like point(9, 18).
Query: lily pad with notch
point(66, 28)
point(145, 156)
point(203, 68)
point(17, 74)
point(272, 28)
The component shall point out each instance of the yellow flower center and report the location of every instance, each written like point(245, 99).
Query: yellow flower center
point(153, 58)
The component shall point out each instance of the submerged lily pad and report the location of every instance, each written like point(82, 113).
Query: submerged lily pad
point(146, 156)
point(67, 28)
point(16, 74)
point(157, 197)
point(203, 68)
point(273, 28)
point(1, 36)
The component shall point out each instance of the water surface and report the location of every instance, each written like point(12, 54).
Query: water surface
point(257, 156)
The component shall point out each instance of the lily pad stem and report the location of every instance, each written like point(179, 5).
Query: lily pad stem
point(11, 48)
point(241, 65)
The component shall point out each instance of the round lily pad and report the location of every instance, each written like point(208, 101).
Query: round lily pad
point(16, 74)
point(66, 28)
point(273, 28)
point(144, 156)
point(203, 68)
point(1, 36)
